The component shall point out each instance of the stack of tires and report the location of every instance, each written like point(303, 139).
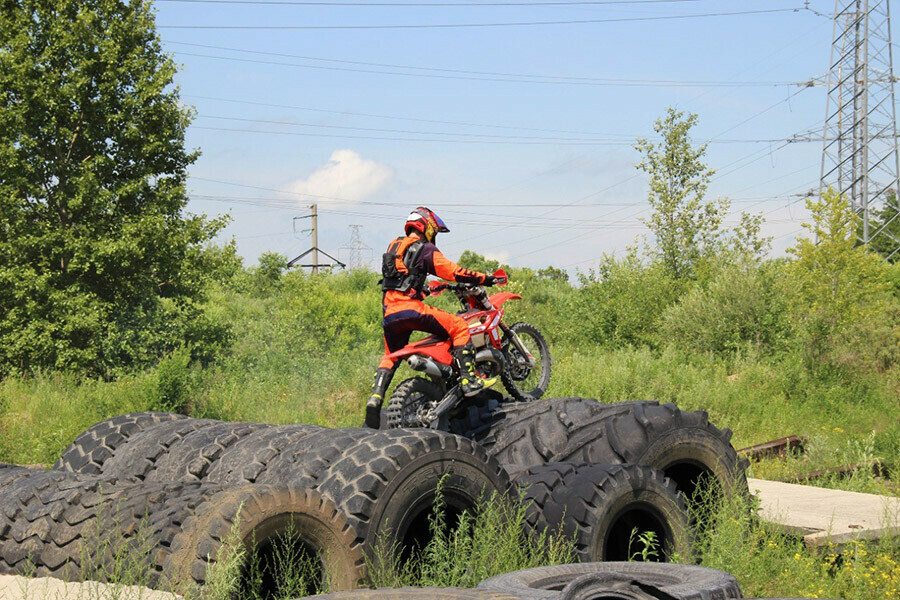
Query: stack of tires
point(181, 489)
point(600, 472)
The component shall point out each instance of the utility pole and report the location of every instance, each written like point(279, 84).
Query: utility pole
point(860, 158)
point(314, 266)
point(315, 238)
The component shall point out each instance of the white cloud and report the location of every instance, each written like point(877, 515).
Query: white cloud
point(346, 175)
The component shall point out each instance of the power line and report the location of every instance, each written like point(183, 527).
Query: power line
point(469, 74)
point(399, 118)
point(485, 25)
point(477, 136)
point(399, 139)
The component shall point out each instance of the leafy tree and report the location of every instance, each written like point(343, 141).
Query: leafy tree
point(99, 267)
point(688, 229)
point(477, 262)
point(839, 288)
point(552, 273)
point(267, 275)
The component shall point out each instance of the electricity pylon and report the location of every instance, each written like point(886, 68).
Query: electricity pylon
point(860, 158)
point(357, 254)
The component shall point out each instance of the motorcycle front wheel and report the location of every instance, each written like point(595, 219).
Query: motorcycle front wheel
point(526, 383)
point(412, 401)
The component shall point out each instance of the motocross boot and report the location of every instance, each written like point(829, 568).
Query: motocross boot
point(470, 381)
point(373, 406)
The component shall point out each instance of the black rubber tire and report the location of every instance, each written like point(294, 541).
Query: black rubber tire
point(139, 455)
point(683, 582)
point(193, 456)
point(476, 415)
point(607, 586)
point(597, 506)
point(66, 525)
point(301, 462)
point(508, 376)
point(12, 473)
point(54, 523)
point(387, 482)
point(405, 405)
point(255, 515)
point(413, 593)
point(683, 445)
point(99, 442)
point(250, 456)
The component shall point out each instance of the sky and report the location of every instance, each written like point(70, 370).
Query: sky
point(521, 137)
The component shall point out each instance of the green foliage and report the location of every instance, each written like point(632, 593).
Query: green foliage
point(487, 543)
point(841, 295)
point(174, 383)
point(476, 262)
point(622, 302)
point(688, 229)
point(773, 563)
point(99, 268)
point(739, 309)
point(267, 275)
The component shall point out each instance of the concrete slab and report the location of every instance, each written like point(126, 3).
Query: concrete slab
point(823, 515)
point(14, 587)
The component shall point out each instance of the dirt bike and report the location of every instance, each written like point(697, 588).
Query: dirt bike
point(517, 353)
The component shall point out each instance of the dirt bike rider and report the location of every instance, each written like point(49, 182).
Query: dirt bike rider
point(405, 266)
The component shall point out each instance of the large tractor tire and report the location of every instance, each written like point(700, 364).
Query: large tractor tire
point(387, 483)
point(139, 456)
point(11, 473)
point(301, 462)
point(666, 580)
point(270, 522)
point(194, 455)
point(600, 507)
point(250, 456)
point(683, 445)
point(413, 593)
point(72, 526)
point(478, 414)
point(98, 443)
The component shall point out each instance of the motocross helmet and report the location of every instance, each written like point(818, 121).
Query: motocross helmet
point(425, 221)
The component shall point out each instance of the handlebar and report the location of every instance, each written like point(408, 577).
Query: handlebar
point(498, 277)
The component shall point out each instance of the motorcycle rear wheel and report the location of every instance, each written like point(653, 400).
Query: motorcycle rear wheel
point(522, 382)
point(411, 402)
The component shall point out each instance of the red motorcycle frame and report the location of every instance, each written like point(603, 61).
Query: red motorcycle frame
point(481, 323)
point(499, 351)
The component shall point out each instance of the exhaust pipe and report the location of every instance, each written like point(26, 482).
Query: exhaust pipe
point(426, 365)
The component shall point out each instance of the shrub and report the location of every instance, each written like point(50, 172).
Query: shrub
point(622, 302)
point(841, 295)
point(738, 309)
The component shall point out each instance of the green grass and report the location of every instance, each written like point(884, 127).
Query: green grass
point(306, 351)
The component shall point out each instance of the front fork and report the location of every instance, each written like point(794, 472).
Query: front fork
point(520, 346)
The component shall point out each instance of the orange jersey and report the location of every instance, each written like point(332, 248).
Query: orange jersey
point(431, 261)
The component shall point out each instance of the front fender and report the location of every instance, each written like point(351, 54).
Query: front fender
point(497, 300)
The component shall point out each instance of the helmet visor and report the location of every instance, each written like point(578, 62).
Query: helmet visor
point(440, 224)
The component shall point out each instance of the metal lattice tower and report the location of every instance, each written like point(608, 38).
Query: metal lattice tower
point(860, 157)
point(357, 254)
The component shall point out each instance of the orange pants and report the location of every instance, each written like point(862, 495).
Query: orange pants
point(403, 317)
